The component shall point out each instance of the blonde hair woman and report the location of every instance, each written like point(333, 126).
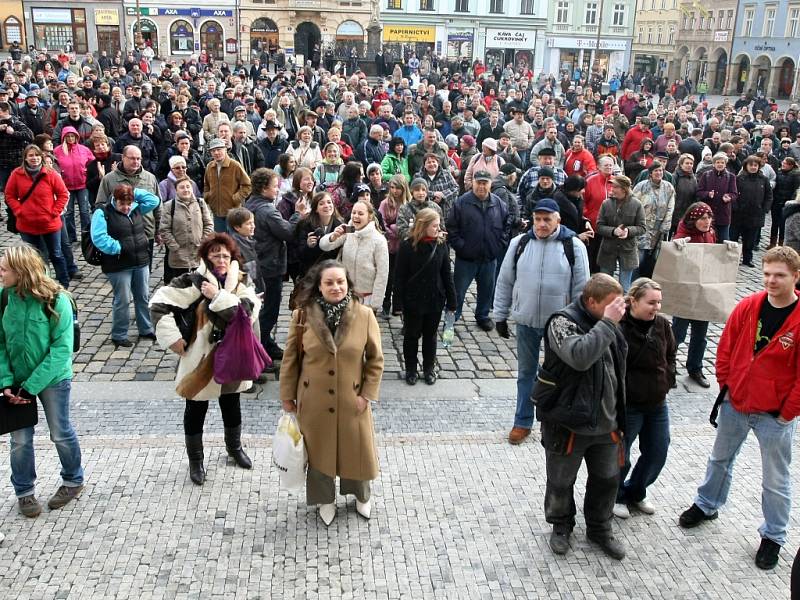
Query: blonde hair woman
point(423, 287)
point(36, 348)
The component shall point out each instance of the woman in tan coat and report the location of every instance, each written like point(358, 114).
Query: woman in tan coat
point(331, 371)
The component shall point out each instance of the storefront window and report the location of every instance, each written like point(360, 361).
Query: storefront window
point(13, 30)
point(181, 36)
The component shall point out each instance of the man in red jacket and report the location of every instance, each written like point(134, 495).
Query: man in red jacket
point(578, 160)
point(633, 139)
point(758, 370)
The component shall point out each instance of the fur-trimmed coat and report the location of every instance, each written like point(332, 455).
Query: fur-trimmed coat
point(335, 370)
point(182, 293)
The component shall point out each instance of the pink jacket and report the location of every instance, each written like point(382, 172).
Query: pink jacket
point(73, 164)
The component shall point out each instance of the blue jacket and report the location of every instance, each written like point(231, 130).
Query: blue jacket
point(478, 231)
point(542, 281)
point(143, 201)
point(410, 135)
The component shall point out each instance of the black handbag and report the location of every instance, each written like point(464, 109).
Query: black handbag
point(17, 416)
point(91, 254)
point(11, 223)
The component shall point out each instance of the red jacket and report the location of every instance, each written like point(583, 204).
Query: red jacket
point(598, 188)
point(770, 380)
point(633, 141)
point(41, 212)
point(695, 236)
point(579, 163)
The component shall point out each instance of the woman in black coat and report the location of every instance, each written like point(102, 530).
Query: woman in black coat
point(685, 183)
point(787, 182)
point(423, 284)
point(755, 199)
point(649, 376)
point(322, 220)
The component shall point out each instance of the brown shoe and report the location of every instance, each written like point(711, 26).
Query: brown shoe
point(63, 496)
point(518, 435)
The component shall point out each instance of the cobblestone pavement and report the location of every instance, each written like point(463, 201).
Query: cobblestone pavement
point(458, 512)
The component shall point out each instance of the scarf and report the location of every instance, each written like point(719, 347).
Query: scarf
point(101, 156)
point(333, 312)
point(32, 172)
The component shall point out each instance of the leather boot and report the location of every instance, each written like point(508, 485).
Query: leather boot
point(233, 444)
point(194, 450)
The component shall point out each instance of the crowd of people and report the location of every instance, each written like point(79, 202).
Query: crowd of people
point(358, 192)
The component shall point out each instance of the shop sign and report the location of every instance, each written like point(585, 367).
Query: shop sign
point(176, 12)
point(510, 38)
point(51, 15)
point(721, 36)
point(764, 48)
point(586, 43)
point(106, 16)
point(408, 33)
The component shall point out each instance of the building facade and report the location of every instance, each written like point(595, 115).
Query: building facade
point(82, 26)
point(180, 28)
point(766, 48)
point(494, 31)
point(654, 36)
point(590, 36)
point(304, 27)
point(12, 24)
point(705, 34)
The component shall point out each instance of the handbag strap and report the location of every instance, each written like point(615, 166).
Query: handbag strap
point(425, 264)
point(36, 181)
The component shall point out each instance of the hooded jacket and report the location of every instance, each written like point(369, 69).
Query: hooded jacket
point(74, 162)
point(41, 212)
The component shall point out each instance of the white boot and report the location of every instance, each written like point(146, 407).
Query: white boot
point(364, 509)
point(327, 513)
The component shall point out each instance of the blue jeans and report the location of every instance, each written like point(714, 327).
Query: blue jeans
point(723, 233)
point(82, 198)
point(775, 442)
point(55, 402)
point(124, 283)
point(625, 276)
point(652, 429)
point(482, 272)
point(220, 224)
point(529, 340)
point(52, 242)
point(697, 342)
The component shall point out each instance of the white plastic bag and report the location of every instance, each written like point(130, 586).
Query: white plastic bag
point(289, 453)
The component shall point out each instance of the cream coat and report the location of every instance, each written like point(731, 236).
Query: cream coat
point(365, 255)
point(335, 370)
point(178, 294)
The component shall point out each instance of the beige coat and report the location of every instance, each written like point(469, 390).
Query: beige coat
point(334, 371)
point(183, 233)
point(226, 190)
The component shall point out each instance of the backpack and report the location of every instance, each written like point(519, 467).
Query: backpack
point(91, 254)
point(76, 326)
point(569, 250)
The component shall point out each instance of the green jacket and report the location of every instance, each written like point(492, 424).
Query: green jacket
point(393, 165)
point(35, 350)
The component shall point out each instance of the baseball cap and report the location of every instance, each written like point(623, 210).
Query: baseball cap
point(482, 176)
point(216, 143)
point(546, 205)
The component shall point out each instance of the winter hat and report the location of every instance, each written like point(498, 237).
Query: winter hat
point(573, 183)
point(419, 182)
point(468, 140)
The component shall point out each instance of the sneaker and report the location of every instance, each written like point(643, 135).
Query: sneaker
point(77, 275)
point(559, 542)
point(63, 496)
point(29, 506)
point(487, 325)
point(430, 376)
point(610, 545)
point(694, 515)
point(122, 344)
point(767, 555)
point(411, 377)
point(645, 506)
point(621, 511)
point(148, 336)
point(699, 379)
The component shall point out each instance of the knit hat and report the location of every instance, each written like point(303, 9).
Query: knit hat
point(468, 140)
point(360, 188)
point(546, 172)
point(419, 182)
point(573, 183)
point(699, 210)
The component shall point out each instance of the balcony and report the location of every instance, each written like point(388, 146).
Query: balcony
point(564, 27)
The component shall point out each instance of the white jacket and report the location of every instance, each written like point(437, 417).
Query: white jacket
point(365, 255)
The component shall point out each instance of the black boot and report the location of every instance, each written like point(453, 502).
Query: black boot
point(194, 449)
point(233, 444)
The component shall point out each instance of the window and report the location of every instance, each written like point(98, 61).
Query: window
point(684, 22)
point(769, 21)
point(181, 36)
point(591, 13)
point(671, 35)
point(747, 22)
point(730, 20)
point(394, 4)
point(462, 5)
point(649, 35)
point(426, 5)
point(496, 6)
point(793, 26)
point(619, 15)
point(660, 38)
point(639, 35)
point(562, 12)
point(702, 22)
point(710, 22)
point(527, 8)
point(721, 19)
point(13, 30)
point(663, 4)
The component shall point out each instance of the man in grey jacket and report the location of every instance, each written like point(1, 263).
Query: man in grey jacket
point(532, 285)
point(580, 400)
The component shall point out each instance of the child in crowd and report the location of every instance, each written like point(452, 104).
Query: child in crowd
point(242, 225)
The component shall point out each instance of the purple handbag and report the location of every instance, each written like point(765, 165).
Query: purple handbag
point(239, 356)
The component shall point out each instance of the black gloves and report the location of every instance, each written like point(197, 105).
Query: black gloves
point(502, 329)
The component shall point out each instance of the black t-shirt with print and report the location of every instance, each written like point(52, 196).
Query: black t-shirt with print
point(770, 320)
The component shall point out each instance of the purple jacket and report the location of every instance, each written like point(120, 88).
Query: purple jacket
point(720, 183)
